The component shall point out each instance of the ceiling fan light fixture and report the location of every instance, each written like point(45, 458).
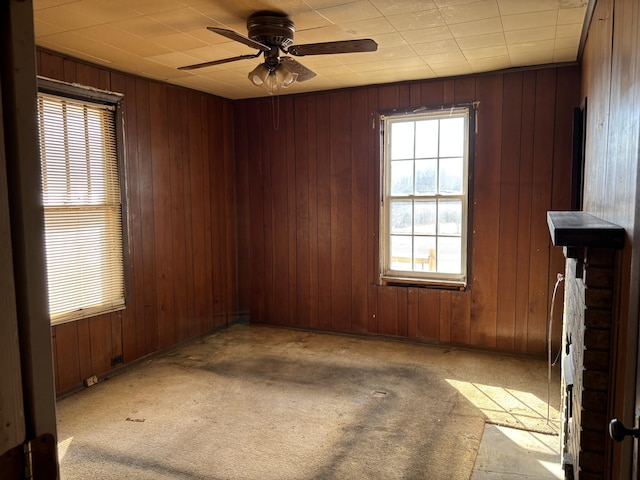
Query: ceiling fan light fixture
point(288, 76)
point(259, 75)
point(272, 80)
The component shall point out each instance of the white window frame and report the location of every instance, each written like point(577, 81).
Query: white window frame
point(110, 104)
point(423, 278)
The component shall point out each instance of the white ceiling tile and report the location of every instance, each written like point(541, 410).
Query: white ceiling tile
point(386, 64)
point(481, 41)
point(106, 11)
point(513, 7)
point(309, 20)
point(67, 18)
point(399, 7)
point(179, 42)
point(43, 28)
point(486, 52)
point(480, 27)
point(530, 20)
point(571, 15)
point(448, 57)
point(544, 46)
point(566, 42)
point(450, 69)
point(470, 12)
point(323, 34)
point(79, 46)
point(443, 46)
point(417, 20)
point(115, 37)
point(487, 64)
point(43, 4)
point(530, 35)
point(174, 59)
point(184, 19)
point(424, 35)
point(374, 26)
point(573, 30)
point(356, 11)
point(148, 7)
point(390, 40)
point(531, 58)
point(565, 54)
point(144, 27)
point(452, 3)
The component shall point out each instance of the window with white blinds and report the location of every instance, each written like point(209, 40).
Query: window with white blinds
point(82, 207)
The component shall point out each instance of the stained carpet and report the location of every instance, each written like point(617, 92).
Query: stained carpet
point(260, 403)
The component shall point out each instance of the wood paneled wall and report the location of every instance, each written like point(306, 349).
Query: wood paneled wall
point(180, 194)
point(308, 200)
point(611, 84)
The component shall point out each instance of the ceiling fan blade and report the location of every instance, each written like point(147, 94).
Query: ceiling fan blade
point(324, 48)
point(294, 66)
point(217, 62)
point(239, 38)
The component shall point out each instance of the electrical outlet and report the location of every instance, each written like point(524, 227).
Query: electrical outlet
point(92, 380)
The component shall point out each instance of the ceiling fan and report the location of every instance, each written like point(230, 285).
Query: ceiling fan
point(272, 33)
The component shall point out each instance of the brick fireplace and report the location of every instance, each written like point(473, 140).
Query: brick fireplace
point(591, 247)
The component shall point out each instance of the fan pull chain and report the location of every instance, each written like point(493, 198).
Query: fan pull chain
point(275, 110)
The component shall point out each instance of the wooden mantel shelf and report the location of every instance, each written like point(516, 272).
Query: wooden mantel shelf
point(581, 229)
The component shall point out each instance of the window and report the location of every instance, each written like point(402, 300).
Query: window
point(424, 209)
point(83, 211)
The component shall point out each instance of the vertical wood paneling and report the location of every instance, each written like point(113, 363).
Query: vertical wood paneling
point(311, 154)
point(509, 186)
point(323, 209)
point(611, 84)
point(524, 210)
point(403, 313)
point(486, 211)
point(198, 242)
point(280, 220)
point(100, 343)
point(256, 202)
point(413, 312)
point(268, 218)
point(145, 184)
point(373, 202)
point(340, 157)
point(540, 204)
point(302, 207)
point(178, 220)
point(67, 356)
point(208, 287)
point(163, 229)
point(180, 189)
point(243, 213)
point(232, 308)
point(359, 185)
point(388, 310)
point(291, 211)
point(429, 326)
point(337, 199)
point(84, 349)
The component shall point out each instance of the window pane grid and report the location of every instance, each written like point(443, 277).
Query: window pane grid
point(83, 210)
point(426, 195)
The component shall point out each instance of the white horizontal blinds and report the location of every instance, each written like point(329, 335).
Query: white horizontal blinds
point(82, 204)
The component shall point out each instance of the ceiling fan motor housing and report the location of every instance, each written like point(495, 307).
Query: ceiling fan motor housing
point(271, 29)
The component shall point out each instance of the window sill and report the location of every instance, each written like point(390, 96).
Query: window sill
point(422, 283)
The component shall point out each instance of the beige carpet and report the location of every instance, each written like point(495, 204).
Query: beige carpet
point(259, 403)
